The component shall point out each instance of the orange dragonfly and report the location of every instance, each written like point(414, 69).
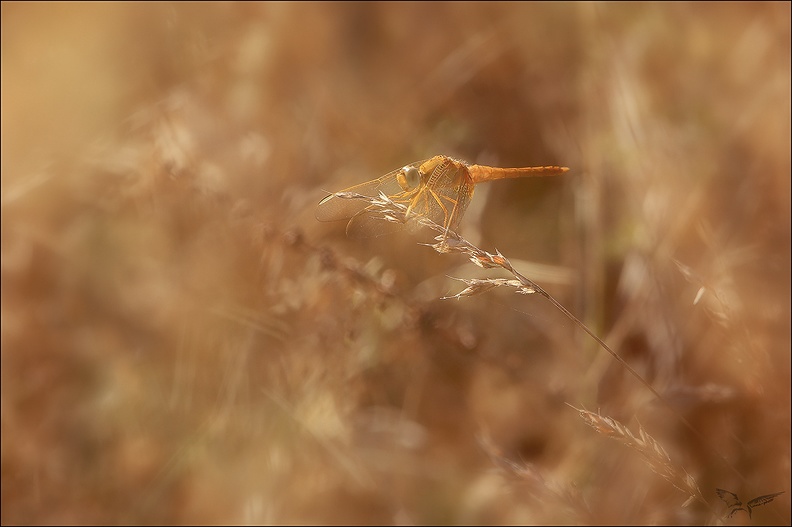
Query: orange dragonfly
point(439, 188)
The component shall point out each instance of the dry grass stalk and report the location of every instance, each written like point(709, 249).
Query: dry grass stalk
point(651, 451)
point(448, 241)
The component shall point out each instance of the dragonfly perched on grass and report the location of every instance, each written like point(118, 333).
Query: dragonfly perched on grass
point(439, 189)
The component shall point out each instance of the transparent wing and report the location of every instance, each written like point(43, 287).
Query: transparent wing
point(447, 193)
point(335, 207)
point(442, 195)
point(371, 224)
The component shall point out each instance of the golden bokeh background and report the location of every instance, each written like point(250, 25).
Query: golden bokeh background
point(182, 342)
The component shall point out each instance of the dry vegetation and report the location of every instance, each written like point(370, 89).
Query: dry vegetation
point(182, 342)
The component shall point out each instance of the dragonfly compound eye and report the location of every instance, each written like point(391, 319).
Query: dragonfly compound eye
point(409, 178)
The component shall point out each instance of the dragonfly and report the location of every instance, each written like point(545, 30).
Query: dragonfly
point(439, 188)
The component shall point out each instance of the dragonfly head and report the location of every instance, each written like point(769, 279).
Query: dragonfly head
point(409, 178)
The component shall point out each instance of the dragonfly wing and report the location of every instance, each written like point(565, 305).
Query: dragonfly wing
point(464, 194)
point(347, 203)
point(370, 224)
point(366, 220)
point(447, 193)
point(344, 205)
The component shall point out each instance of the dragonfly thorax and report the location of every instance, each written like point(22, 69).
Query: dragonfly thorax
point(409, 178)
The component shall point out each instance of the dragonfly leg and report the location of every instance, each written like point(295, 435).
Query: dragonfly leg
point(447, 219)
point(413, 201)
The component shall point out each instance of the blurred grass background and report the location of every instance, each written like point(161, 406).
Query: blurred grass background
point(182, 342)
